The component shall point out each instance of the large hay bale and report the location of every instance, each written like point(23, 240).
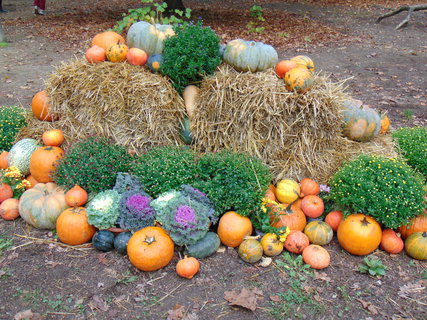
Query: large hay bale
point(297, 135)
point(129, 104)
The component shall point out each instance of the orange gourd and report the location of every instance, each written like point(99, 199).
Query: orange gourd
point(150, 249)
point(4, 162)
point(43, 163)
point(117, 52)
point(95, 54)
point(334, 219)
point(136, 56)
point(76, 196)
point(417, 224)
point(9, 209)
point(359, 234)
point(312, 206)
point(41, 108)
point(299, 79)
point(6, 192)
point(73, 227)
point(385, 124)
point(250, 250)
point(309, 187)
point(233, 228)
point(284, 66)
point(283, 215)
point(53, 137)
point(391, 242)
point(106, 39)
point(316, 256)
point(296, 242)
point(271, 245)
point(187, 267)
point(304, 61)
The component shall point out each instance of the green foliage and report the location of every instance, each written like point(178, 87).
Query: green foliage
point(5, 244)
point(257, 17)
point(152, 12)
point(103, 210)
point(387, 189)
point(412, 143)
point(12, 119)
point(15, 179)
point(233, 181)
point(92, 164)
point(408, 114)
point(374, 266)
point(190, 55)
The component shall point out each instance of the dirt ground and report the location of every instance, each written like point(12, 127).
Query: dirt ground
point(385, 68)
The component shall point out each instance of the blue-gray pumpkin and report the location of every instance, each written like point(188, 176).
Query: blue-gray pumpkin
point(148, 37)
point(361, 123)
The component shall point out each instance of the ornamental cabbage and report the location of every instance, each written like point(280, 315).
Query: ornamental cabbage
point(135, 211)
point(103, 210)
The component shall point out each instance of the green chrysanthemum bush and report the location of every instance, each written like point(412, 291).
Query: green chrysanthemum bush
point(386, 189)
point(12, 119)
point(412, 143)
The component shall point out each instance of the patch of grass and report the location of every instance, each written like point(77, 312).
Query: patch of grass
point(374, 266)
point(424, 275)
point(126, 278)
point(4, 44)
point(5, 244)
point(408, 114)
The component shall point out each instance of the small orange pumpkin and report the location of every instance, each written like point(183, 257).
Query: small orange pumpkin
point(250, 250)
point(43, 162)
point(299, 79)
point(284, 66)
point(416, 245)
point(41, 108)
point(95, 54)
point(106, 39)
point(316, 256)
point(296, 242)
point(334, 219)
point(117, 52)
point(304, 61)
point(136, 56)
point(312, 206)
point(309, 187)
point(4, 162)
point(76, 196)
point(417, 224)
point(385, 124)
point(233, 228)
point(53, 137)
point(6, 192)
point(73, 227)
point(391, 242)
point(187, 267)
point(9, 209)
point(31, 180)
point(271, 245)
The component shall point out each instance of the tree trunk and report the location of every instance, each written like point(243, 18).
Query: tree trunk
point(175, 4)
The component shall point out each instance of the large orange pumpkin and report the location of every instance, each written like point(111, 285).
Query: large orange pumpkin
point(417, 224)
point(150, 249)
point(233, 228)
point(73, 228)
point(9, 209)
point(359, 234)
point(53, 137)
point(6, 192)
point(136, 56)
point(76, 196)
point(283, 215)
point(106, 39)
point(41, 108)
point(4, 162)
point(316, 256)
point(43, 162)
point(95, 54)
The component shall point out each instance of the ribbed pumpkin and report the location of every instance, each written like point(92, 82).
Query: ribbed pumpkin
point(316, 256)
point(416, 245)
point(319, 232)
point(150, 249)
point(250, 55)
point(334, 219)
point(42, 205)
point(95, 54)
point(43, 162)
point(359, 234)
point(271, 244)
point(106, 39)
point(73, 228)
point(287, 191)
point(361, 123)
point(309, 187)
point(9, 209)
point(20, 154)
point(149, 37)
point(296, 242)
point(391, 242)
point(116, 52)
point(299, 79)
point(41, 108)
point(187, 267)
point(136, 57)
point(417, 224)
point(304, 61)
point(233, 228)
point(283, 215)
point(250, 250)
point(53, 137)
point(4, 162)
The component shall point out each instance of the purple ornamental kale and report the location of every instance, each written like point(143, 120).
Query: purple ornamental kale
point(185, 216)
point(135, 211)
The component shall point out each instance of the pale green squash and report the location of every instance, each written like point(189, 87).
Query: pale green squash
point(318, 232)
point(361, 123)
point(20, 154)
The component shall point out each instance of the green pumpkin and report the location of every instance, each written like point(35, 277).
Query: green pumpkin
point(121, 242)
point(154, 62)
point(205, 247)
point(185, 133)
point(416, 245)
point(361, 123)
point(250, 250)
point(250, 55)
point(20, 154)
point(103, 240)
point(318, 232)
point(148, 37)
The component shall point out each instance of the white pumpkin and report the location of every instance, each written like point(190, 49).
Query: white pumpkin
point(20, 154)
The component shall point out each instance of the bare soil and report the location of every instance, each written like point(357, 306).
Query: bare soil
point(385, 68)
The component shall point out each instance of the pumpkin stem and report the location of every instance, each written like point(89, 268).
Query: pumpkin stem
point(288, 208)
point(149, 240)
point(252, 237)
point(365, 222)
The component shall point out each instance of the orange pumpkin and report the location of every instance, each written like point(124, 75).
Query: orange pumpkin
point(391, 242)
point(385, 124)
point(334, 219)
point(150, 249)
point(187, 267)
point(43, 162)
point(136, 56)
point(9, 209)
point(41, 108)
point(304, 61)
point(250, 250)
point(271, 244)
point(284, 66)
point(73, 228)
point(31, 180)
point(316, 256)
point(6, 192)
point(106, 39)
point(117, 52)
point(359, 234)
point(416, 245)
point(233, 228)
point(95, 54)
point(76, 196)
point(53, 137)
point(312, 206)
point(299, 79)
point(417, 224)
point(296, 242)
point(309, 187)
point(4, 162)
point(283, 215)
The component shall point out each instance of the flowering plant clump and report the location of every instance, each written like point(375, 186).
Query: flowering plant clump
point(184, 218)
point(412, 143)
point(386, 189)
point(135, 211)
point(15, 179)
point(92, 164)
point(103, 210)
point(12, 119)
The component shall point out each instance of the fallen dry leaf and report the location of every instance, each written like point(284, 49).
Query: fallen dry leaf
point(98, 303)
point(191, 316)
point(246, 298)
point(102, 259)
point(369, 306)
point(321, 276)
point(409, 289)
point(26, 314)
point(275, 298)
point(176, 313)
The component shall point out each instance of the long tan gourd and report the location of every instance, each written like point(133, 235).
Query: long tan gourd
point(190, 95)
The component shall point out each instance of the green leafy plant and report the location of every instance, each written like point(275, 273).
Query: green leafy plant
point(387, 189)
point(103, 210)
point(5, 244)
point(257, 17)
point(408, 114)
point(190, 55)
point(127, 278)
point(92, 164)
point(164, 168)
point(374, 266)
point(233, 181)
point(412, 144)
point(152, 12)
point(12, 119)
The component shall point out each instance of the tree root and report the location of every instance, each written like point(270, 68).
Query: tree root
point(405, 21)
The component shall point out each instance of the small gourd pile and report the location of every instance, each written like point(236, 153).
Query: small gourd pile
point(297, 73)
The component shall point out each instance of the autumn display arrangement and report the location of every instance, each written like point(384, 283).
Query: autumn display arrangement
point(169, 142)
